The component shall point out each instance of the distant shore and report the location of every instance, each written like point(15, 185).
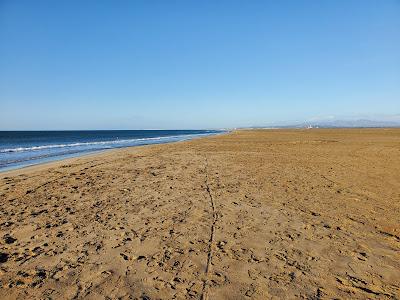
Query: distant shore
point(257, 214)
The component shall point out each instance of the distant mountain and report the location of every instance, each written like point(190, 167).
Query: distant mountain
point(360, 123)
point(350, 123)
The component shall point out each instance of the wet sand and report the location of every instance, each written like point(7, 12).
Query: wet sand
point(266, 214)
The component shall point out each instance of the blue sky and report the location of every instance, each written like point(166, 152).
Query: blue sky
point(195, 64)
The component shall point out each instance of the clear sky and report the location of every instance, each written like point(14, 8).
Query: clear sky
point(195, 64)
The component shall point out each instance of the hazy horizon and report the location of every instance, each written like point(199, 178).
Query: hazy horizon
point(137, 65)
point(390, 120)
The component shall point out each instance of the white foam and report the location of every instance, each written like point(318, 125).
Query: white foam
point(104, 143)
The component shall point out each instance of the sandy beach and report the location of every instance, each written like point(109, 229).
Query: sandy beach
point(256, 214)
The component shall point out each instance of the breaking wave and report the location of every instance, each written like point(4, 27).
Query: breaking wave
point(99, 143)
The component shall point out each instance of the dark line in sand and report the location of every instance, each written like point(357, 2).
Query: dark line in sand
point(212, 233)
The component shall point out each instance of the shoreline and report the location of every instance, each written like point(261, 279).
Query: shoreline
point(254, 214)
point(97, 152)
point(57, 162)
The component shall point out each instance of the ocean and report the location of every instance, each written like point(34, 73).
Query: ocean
point(24, 148)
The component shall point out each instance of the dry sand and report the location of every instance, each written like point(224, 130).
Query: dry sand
point(268, 214)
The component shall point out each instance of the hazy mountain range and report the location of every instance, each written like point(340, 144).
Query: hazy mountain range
point(349, 124)
point(392, 121)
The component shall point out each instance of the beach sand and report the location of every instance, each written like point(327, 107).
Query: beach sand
point(257, 214)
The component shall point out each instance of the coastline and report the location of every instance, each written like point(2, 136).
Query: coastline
point(247, 214)
point(95, 152)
